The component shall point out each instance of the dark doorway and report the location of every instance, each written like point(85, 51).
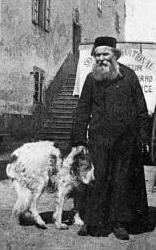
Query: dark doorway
point(76, 41)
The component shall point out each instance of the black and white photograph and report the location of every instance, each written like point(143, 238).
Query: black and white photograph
point(77, 125)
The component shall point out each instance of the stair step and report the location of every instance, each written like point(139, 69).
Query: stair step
point(62, 101)
point(71, 98)
point(63, 118)
point(55, 132)
point(63, 106)
point(70, 82)
point(71, 75)
point(58, 110)
point(66, 90)
point(71, 78)
point(68, 87)
point(60, 123)
point(57, 129)
point(65, 93)
point(61, 115)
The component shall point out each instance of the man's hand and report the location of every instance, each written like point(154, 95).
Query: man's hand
point(145, 148)
point(81, 149)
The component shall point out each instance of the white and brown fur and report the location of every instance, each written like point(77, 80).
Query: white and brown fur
point(34, 164)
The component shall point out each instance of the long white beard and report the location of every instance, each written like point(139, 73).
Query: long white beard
point(108, 71)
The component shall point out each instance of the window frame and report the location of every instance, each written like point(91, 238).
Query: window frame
point(41, 12)
point(117, 23)
point(99, 6)
point(39, 80)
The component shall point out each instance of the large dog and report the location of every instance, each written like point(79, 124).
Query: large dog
point(31, 168)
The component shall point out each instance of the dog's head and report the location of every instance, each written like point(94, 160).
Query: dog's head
point(82, 168)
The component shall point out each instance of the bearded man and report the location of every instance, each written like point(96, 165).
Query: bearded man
point(112, 112)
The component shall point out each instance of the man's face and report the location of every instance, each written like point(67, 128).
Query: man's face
point(103, 56)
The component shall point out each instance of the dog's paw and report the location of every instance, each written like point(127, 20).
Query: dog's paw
point(40, 223)
point(61, 226)
point(77, 220)
point(42, 226)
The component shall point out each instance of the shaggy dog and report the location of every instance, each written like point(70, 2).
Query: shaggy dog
point(31, 168)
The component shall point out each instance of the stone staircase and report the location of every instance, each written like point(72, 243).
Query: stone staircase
point(58, 124)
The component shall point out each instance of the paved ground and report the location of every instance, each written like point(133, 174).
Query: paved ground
point(28, 237)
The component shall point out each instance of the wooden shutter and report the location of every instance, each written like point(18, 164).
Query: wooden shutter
point(35, 11)
point(47, 16)
point(41, 87)
point(36, 94)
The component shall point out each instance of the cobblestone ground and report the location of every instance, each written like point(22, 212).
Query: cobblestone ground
point(17, 237)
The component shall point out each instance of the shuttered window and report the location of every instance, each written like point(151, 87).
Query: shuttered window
point(99, 5)
point(47, 15)
point(41, 13)
point(35, 11)
point(117, 23)
point(39, 77)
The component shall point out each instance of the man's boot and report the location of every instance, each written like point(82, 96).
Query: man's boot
point(83, 230)
point(120, 232)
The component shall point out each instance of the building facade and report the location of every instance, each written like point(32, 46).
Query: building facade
point(39, 40)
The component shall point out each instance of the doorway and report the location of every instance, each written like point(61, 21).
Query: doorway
point(76, 42)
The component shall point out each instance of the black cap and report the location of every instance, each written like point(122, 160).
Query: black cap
point(105, 41)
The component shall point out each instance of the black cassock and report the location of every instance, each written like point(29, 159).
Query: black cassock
point(115, 115)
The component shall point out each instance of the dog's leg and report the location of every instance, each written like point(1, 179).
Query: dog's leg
point(33, 209)
point(78, 220)
point(23, 199)
point(62, 191)
point(79, 200)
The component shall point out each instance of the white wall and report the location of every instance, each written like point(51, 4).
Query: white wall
point(140, 20)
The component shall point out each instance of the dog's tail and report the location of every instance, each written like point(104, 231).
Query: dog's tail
point(24, 197)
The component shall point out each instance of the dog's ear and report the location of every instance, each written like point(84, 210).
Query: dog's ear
point(53, 160)
point(75, 165)
point(73, 170)
point(53, 169)
point(13, 159)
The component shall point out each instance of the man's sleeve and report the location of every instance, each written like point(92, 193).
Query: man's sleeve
point(141, 109)
point(82, 115)
point(153, 141)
